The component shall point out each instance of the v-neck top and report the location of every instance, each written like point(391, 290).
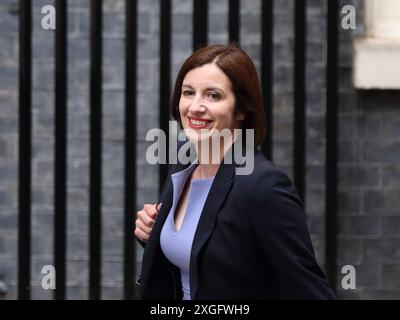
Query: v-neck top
point(177, 244)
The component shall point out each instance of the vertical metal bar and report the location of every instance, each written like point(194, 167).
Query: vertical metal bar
point(299, 96)
point(267, 71)
point(200, 23)
point(234, 20)
point(60, 175)
point(25, 148)
point(130, 147)
point(95, 148)
point(165, 76)
point(331, 142)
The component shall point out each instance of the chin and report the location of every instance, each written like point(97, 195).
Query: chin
point(196, 135)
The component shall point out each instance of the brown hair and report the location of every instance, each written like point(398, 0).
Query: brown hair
point(239, 68)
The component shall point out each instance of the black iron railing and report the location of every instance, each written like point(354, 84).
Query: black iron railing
point(200, 30)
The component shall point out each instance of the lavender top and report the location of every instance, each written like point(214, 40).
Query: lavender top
point(177, 245)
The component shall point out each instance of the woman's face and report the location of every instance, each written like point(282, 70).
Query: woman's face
point(207, 102)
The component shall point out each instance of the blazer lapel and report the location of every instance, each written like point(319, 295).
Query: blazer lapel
point(218, 192)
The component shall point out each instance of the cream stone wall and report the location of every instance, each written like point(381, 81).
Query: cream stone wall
point(377, 56)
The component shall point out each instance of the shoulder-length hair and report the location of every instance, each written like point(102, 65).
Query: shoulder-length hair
point(240, 69)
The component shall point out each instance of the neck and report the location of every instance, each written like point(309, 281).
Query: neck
point(203, 171)
point(209, 158)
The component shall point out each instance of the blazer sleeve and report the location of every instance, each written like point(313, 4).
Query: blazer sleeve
point(279, 223)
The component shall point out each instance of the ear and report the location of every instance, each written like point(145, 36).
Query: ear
point(240, 116)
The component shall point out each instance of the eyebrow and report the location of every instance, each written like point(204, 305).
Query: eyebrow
point(208, 88)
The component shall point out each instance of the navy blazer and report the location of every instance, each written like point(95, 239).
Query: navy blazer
point(251, 242)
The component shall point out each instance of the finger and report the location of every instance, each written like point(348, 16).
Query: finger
point(151, 210)
point(142, 236)
point(142, 226)
point(138, 213)
point(145, 218)
point(157, 208)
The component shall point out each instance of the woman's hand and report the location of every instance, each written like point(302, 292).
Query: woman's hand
point(145, 220)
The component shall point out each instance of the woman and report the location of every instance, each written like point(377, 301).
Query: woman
point(218, 234)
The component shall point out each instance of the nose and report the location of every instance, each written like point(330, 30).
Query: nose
point(197, 105)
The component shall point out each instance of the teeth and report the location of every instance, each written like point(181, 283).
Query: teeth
point(197, 122)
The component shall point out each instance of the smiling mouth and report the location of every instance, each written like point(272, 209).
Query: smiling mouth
point(198, 123)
